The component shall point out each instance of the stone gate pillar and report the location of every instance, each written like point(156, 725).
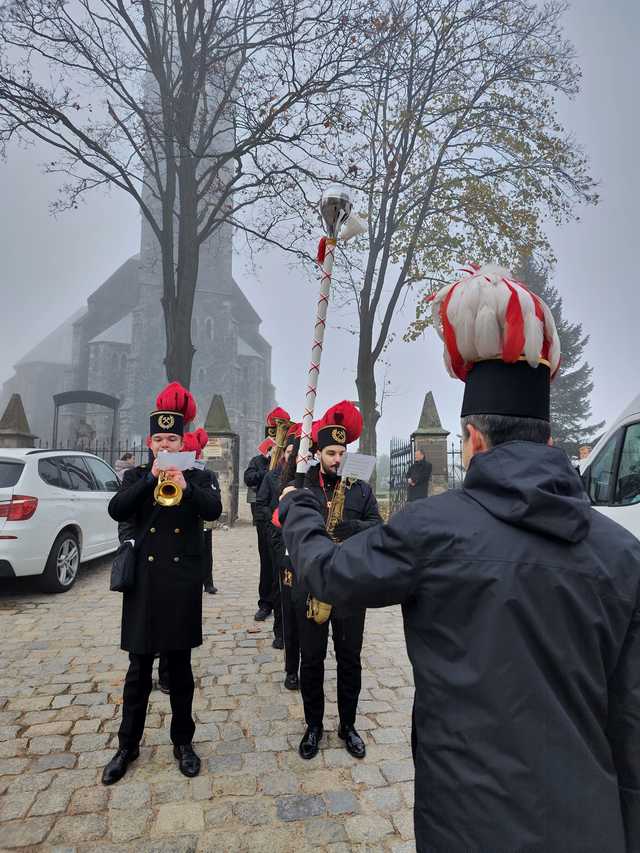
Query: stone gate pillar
point(222, 456)
point(431, 438)
point(14, 426)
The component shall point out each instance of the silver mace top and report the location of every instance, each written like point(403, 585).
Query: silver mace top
point(335, 207)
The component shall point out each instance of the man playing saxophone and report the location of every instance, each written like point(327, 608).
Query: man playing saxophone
point(348, 507)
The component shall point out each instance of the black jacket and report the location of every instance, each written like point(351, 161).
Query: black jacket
point(360, 505)
point(163, 612)
point(254, 474)
point(420, 473)
point(522, 622)
point(268, 495)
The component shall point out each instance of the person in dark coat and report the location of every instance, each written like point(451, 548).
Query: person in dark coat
point(253, 476)
point(266, 502)
point(418, 477)
point(341, 425)
point(163, 612)
point(521, 608)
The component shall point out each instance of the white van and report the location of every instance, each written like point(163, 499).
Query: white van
point(611, 473)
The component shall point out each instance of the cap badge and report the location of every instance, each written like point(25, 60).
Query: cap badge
point(339, 435)
point(166, 421)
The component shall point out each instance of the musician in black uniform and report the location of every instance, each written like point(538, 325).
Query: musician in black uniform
point(163, 612)
point(341, 425)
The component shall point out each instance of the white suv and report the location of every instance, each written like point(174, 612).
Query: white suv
point(53, 514)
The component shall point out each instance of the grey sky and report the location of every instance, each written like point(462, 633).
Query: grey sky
point(50, 266)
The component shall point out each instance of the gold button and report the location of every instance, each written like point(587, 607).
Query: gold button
point(150, 558)
point(153, 530)
point(177, 530)
point(176, 559)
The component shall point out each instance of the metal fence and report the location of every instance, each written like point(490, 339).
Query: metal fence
point(400, 457)
point(103, 449)
point(455, 469)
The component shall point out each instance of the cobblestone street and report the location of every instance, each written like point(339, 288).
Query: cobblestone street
point(61, 677)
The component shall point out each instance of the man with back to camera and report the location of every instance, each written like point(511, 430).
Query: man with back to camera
point(521, 607)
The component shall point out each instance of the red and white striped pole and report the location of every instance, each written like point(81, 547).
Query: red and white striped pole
point(335, 208)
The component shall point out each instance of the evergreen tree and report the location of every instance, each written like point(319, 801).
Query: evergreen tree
point(572, 387)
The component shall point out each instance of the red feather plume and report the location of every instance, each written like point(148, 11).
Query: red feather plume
point(176, 398)
point(277, 414)
point(346, 415)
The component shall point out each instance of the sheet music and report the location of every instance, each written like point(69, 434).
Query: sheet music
point(183, 460)
point(357, 466)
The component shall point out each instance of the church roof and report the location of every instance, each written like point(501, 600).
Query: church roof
point(246, 349)
point(56, 347)
point(118, 333)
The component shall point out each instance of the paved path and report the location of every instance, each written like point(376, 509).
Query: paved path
point(61, 675)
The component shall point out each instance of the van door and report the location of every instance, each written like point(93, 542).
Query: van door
point(87, 502)
point(108, 484)
point(613, 479)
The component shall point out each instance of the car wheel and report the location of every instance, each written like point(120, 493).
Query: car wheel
point(61, 569)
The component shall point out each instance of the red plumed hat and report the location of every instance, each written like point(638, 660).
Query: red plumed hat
point(341, 424)
point(196, 440)
point(176, 398)
point(295, 430)
point(277, 414)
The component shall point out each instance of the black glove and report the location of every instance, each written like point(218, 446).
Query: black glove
point(346, 529)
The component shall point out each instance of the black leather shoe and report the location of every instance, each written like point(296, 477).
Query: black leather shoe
point(164, 688)
point(310, 743)
point(353, 742)
point(117, 767)
point(188, 761)
point(291, 681)
point(211, 589)
point(262, 614)
point(278, 643)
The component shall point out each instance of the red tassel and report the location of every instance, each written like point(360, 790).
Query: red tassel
point(322, 250)
point(275, 518)
point(514, 328)
point(457, 362)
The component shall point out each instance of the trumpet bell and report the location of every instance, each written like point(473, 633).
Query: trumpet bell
point(166, 492)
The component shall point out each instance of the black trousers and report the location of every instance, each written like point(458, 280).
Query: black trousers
point(208, 557)
point(265, 586)
point(137, 687)
point(347, 635)
point(289, 629)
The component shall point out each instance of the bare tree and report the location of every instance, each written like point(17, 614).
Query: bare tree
point(453, 145)
point(193, 107)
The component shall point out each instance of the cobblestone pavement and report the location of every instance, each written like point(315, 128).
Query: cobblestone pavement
point(61, 676)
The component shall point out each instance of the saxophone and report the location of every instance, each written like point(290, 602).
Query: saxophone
point(320, 611)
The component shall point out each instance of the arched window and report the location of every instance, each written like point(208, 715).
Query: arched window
point(209, 328)
point(194, 329)
point(115, 362)
point(123, 362)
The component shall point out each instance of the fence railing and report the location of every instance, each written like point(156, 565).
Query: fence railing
point(103, 449)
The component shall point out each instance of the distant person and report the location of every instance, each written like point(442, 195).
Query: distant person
point(418, 477)
point(126, 461)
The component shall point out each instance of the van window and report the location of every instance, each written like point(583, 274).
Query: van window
point(601, 472)
point(10, 473)
point(628, 482)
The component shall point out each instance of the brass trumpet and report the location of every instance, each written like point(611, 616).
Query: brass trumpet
point(166, 492)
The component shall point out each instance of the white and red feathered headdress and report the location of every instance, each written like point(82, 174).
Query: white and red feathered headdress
point(496, 334)
point(341, 425)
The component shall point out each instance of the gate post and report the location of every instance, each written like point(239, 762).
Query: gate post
point(222, 457)
point(431, 438)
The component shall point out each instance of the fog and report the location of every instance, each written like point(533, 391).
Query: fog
point(50, 265)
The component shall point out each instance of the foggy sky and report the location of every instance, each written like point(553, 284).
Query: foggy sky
point(50, 265)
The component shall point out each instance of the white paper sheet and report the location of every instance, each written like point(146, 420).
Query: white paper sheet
point(358, 466)
point(182, 460)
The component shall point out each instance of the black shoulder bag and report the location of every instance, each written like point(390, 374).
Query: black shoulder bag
point(123, 568)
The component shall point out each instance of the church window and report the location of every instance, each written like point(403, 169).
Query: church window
point(115, 363)
point(123, 362)
point(209, 328)
point(194, 329)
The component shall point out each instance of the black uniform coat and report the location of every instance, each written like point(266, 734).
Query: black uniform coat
point(254, 475)
point(522, 622)
point(163, 612)
point(420, 473)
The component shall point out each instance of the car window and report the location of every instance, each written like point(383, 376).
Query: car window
point(51, 473)
point(601, 472)
point(10, 473)
point(80, 479)
point(106, 478)
point(628, 482)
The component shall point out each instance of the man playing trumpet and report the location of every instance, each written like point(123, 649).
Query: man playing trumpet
point(162, 613)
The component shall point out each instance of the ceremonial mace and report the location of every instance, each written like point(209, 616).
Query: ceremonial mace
point(339, 222)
